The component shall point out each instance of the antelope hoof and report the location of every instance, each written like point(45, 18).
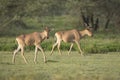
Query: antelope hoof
point(60, 54)
point(26, 62)
point(82, 54)
point(13, 61)
point(50, 54)
point(45, 61)
point(35, 62)
point(68, 54)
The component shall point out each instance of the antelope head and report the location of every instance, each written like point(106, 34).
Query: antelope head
point(46, 32)
point(89, 30)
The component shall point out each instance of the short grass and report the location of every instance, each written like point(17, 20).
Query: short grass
point(73, 67)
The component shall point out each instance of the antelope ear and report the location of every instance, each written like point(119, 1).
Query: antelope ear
point(89, 28)
point(85, 24)
point(46, 28)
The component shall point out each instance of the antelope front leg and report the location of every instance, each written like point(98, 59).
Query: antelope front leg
point(59, 48)
point(36, 51)
point(79, 47)
point(22, 54)
point(42, 53)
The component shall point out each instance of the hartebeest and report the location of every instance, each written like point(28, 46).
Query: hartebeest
point(34, 38)
point(71, 36)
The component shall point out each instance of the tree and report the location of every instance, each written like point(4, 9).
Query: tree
point(108, 8)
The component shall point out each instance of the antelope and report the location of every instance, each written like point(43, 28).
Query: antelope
point(35, 39)
point(71, 36)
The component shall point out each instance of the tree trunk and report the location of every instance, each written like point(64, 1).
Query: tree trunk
point(107, 23)
point(85, 19)
point(92, 20)
point(96, 25)
point(109, 17)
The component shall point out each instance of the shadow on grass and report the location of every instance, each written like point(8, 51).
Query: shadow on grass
point(6, 63)
point(52, 61)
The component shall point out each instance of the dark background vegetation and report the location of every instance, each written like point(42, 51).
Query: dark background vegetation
point(26, 16)
point(15, 14)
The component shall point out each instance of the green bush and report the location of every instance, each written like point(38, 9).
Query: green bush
point(86, 47)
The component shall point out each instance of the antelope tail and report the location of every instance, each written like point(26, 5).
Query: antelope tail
point(55, 39)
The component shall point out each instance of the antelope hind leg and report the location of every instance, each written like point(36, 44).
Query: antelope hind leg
point(70, 48)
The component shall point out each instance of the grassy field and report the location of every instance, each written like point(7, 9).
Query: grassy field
point(73, 67)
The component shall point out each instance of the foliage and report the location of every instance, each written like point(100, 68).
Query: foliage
point(15, 10)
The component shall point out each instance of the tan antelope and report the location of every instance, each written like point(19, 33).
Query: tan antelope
point(71, 36)
point(34, 38)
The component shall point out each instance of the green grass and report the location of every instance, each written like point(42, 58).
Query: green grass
point(72, 67)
